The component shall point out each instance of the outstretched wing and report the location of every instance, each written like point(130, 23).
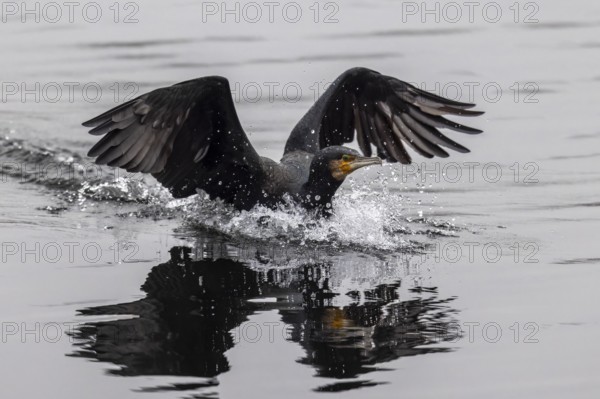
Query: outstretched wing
point(384, 112)
point(187, 135)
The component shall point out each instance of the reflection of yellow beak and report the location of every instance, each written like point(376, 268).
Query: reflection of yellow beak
point(336, 319)
point(341, 169)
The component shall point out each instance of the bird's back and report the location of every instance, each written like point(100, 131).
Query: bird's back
point(287, 176)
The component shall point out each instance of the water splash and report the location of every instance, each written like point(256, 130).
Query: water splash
point(362, 218)
point(366, 215)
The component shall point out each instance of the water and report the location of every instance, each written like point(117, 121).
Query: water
point(472, 276)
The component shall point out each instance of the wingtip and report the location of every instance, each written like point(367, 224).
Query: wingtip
point(93, 153)
point(89, 123)
point(471, 113)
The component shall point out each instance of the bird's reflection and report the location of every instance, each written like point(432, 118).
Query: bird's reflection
point(186, 322)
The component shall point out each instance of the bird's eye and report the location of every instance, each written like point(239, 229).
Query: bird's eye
point(346, 158)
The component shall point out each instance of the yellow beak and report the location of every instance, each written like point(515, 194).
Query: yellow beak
point(341, 169)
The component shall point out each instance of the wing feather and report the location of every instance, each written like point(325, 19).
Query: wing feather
point(187, 135)
point(386, 113)
point(432, 134)
point(363, 141)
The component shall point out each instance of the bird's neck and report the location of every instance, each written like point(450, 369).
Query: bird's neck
point(318, 191)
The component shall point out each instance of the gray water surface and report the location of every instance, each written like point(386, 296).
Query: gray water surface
point(467, 277)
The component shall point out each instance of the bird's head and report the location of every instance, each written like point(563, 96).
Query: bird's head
point(328, 169)
point(338, 162)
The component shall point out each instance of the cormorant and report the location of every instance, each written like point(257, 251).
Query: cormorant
point(189, 137)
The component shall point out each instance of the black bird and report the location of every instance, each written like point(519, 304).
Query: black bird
point(189, 137)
